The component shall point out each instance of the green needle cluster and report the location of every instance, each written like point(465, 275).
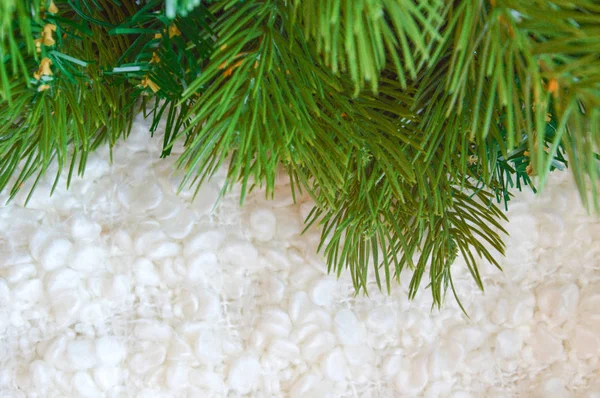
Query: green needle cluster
point(408, 122)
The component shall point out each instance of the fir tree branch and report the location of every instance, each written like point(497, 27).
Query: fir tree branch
point(501, 66)
point(403, 119)
point(19, 23)
point(367, 163)
point(265, 100)
point(401, 32)
point(69, 107)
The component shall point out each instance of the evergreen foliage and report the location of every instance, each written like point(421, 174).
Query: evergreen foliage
point(407, 121)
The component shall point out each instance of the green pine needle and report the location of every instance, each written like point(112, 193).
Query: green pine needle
point(407, 121)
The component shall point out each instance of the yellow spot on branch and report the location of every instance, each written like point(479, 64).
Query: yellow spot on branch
point(146, 82)
point(174, 31)
point(52, 8)
point(44, 69)
point(47, 34)
point(553, 87)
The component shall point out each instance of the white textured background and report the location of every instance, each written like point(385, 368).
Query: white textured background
point(120, 288)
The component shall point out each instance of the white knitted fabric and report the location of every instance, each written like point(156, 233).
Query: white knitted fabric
point(120, 288)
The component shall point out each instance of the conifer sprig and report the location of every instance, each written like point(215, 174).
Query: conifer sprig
point(407, 121)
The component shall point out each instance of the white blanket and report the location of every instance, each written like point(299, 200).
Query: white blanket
point(120, 288)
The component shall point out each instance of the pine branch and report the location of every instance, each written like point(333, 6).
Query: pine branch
point(364, 160)
point(506, 66)
point(19, 23)
point(420, 230)
point(402, 32)
point(66, 107)
point(405, 120)
point(93, 62)
point(166, 56)
point(265, 100)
